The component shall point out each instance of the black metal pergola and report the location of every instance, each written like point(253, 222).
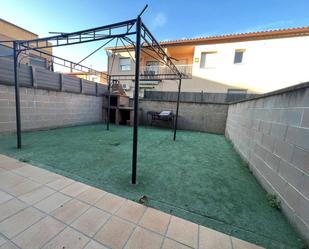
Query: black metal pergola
point(122, 30)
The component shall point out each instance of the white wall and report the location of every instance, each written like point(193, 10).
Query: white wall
point(267, 64)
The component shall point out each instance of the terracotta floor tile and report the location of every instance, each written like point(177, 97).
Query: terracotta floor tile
point(144, 239)
point(10, 207)
point(19, 222)
point(46, 178)
point(4, 197)
point(60, 183)
point(155, 220)
point(8, 245)
point(241, 244)
point(67, 239)
point(8, 163)
point(37, 195)
point(2, 240)
point(52, 202)
point(30, 171)
point(23, 187)
point(70, 210)
point(172, 244)
point(91, 221)
point(91, 195)
point(115, 233)
point(211, 239)
point(38, 234)
point(110, 203)
point(95, 245)
point(131, 211)
point(74, 189)
point(8, 180)
point(183, 231)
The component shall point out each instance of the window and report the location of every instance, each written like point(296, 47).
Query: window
point(125, 64)
point(208, 59)
point(238, 57)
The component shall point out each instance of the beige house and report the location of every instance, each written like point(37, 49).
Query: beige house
point(255, 62)
point(10, 31)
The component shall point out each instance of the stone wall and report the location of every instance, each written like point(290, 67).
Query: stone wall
point(42, 109)
point(207, 117)
point(272, 134)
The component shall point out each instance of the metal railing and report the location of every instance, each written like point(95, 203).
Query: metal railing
point(155, 70)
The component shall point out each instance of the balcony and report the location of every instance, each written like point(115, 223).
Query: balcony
point(161, 72)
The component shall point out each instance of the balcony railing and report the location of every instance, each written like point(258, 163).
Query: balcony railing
point(159, 71)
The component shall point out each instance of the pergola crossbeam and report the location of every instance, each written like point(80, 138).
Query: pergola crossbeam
point(89, 35)
point(72, 65)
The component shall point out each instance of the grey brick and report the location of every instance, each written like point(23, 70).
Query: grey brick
point(276, 181)
point(303, 209)
point(305, 185)
point(255, 124)
point(305, 119)
point(283, 149)
point(265, 127)
point(301, 226)
point(300, 159)
point(299, 98)
point(268, 142)
point(4, 89)
point(292, 197)
point(291, 117)
point(260, 151)
point(298, 136)
point(278, 130)
point(291, 174)
point(272, 160)
point(4, 103)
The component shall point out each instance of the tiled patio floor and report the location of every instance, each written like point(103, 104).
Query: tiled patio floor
point(40, 209)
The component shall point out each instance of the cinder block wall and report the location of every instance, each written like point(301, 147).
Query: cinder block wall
point(192, 116)
point(42, 109)
point(272, 134)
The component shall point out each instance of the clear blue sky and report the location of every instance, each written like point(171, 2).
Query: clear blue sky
point(167, 19)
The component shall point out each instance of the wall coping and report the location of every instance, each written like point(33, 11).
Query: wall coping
point(277, 92)
point(187, 102)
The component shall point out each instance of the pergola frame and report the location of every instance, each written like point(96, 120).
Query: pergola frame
point(95, 34)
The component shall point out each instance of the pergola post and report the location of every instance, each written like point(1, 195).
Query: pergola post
point(17, 97)
point(108, 102)
point(136, 95)
point(177, 108)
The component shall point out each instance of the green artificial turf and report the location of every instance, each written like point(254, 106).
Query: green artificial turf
point(200, 177)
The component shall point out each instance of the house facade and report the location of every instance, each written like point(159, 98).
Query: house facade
point(9, 32)
point(256, 62)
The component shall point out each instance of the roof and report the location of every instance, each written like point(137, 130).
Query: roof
point(12, 24)
point(261, 35)
point(269, 34)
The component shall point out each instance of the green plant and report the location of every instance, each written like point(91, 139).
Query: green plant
point(274, 201)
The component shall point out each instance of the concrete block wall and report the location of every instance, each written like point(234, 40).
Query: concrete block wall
point(272, 134)
point(205, 117)
point(42, 109)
